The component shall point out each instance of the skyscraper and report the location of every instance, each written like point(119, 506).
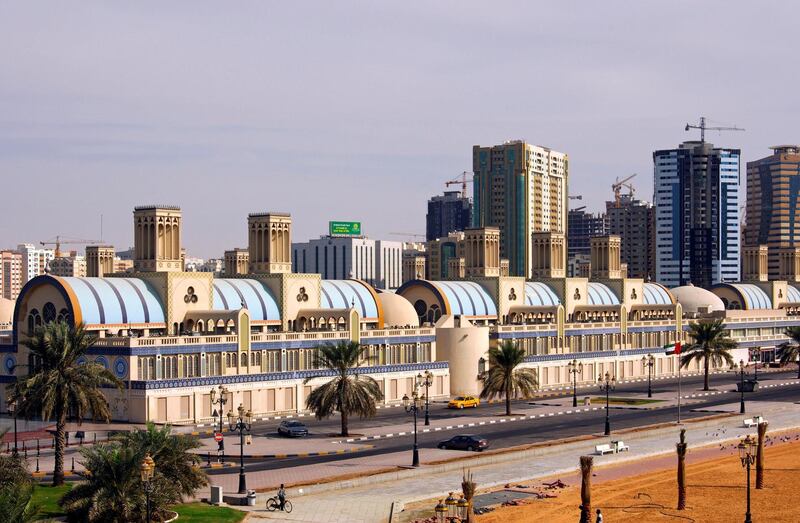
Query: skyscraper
point(582, 226)
point(10, 274)
point(773, 203)
point(34, 261)
point(521, 189)
point(634, 222)
point(448, 213)
point(697, 214)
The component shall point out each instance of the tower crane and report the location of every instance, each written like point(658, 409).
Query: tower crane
point(408, 235)
point(60, 240)
point(617, 188)
point(702, 126)
point(462, 181)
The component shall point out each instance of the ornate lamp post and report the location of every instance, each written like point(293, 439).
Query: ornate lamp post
point(241, 424)
point(741, 384)
point(574, 368)
point(221, 401)
point(426, 380)
point(12, 410)
point(452, 509)
point(147, 469)
point(747, 455)
point(755, 357)
point(607, 384)
point(413, 404)
point(441, 512)
point(649, 363)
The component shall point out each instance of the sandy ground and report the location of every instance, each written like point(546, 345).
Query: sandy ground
point(647, 490)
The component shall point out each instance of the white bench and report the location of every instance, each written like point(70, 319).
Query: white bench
point(754, 421)
point(622, 446)
point(604, 449)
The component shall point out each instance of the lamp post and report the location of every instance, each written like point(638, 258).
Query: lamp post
point(425, 380)
point(12, 410)
point(241, 424)
point(147, 469)
point(574, 368)
point(741, 384)
point(221, 401)
point(748, 456)
point(607, 384)
point(755, 357)
point(649, 362)
point(413, 405)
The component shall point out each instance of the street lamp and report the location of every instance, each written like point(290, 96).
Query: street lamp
point(574, 368)
point(221, 401)
point(607, 383)
point(755, 357)
point(425, 380)
point(649, 362)
point(413, 405)
point(747, 454)
point(242, 424)
point(441, 512)
point(147, 469)
point(12, 410)
point(741, 384)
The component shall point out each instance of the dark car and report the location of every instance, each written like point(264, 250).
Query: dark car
point(292, 429)
point(465, 442)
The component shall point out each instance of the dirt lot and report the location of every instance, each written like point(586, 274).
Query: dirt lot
point(646, 491)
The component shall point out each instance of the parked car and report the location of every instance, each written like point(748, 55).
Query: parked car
point(465, 442)
point(292, 429)
point(461, 402)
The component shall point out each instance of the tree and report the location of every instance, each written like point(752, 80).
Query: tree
point(762, 431)
point(112, 489)
point(16, 490)
point(587, 462)
point(711, 344)
point(681, 450)
point(348, 392)
point(57, 384)
point(503, 377)
point(790, 350)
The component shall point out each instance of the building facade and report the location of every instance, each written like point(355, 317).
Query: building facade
point(773, 200)
point(697, 214)
point(634, 222)
point(521, 189)
point(68, 266)
point(34, 261)
point(377, 262)
point(447, 213)
point(11, 274)
point(582, 227)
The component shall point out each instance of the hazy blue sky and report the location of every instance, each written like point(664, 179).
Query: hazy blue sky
point(358, 110)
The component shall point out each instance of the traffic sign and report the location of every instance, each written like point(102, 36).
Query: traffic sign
point(218, 437)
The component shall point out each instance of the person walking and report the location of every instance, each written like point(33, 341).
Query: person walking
point(599, 517)
point(282, 496)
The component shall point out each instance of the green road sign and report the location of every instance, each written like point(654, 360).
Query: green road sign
point(345, 228)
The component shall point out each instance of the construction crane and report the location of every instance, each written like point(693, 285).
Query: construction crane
point(576, 197)
point(702, 126)
point(60, 240)
point(617, 188)
point(408, 235)
point(462, 181)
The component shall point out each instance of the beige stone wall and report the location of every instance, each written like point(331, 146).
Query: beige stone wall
point(462, 347)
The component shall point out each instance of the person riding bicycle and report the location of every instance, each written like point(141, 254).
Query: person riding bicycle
point(282, 496)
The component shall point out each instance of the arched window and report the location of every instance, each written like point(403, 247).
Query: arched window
point(34, 320)
point(243, 360)
point(49, 312)
point(64, 315)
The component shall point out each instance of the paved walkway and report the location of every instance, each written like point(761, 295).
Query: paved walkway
point(371, 503)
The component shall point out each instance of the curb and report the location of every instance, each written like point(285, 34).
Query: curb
point(295, 455)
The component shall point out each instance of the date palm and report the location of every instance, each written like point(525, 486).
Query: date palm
point(503, 377)
point(58, 384)
point(587, 463)
point(790, 350)
point(348, 392)
point(680, 448)
point(711, 345)
point(16, 489)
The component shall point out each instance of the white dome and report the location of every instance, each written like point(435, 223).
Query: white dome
point(694, 299)
point(6, 310)
point(397, 311)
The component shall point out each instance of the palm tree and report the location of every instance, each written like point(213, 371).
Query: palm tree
point(16, 489)
point(57, 384)
point(680, 448)
point(587, 462)
point(711, 344)
point(790, 350)
point(348, 392)
point(762, 432)
point(503, 377)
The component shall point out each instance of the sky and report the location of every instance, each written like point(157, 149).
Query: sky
point(359, 110)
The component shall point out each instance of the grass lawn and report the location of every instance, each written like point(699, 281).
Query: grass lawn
point(202, 513)
point(623, 401)
point(47, 500)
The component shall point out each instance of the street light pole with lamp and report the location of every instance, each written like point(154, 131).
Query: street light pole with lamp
point(755, 357)
point(221, 401)
point(241, 424)
point(12, 410)
point(426, 380)
point(649, 362)
point(607, 384)
point(413, 405)
point(747, 455)
point(741, 384)
point(147, 470)
point(574, 368)
point(451, 510)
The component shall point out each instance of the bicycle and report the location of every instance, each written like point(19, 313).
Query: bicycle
point(274, 504)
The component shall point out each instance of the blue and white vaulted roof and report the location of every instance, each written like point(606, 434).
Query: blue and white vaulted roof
point(655, 294)
point(792, 294)
point(754, 296)
point(600, 294)
point(343, 294)
point(233, 293)
point(116, 301)
point(467, 298)
point(537, 294)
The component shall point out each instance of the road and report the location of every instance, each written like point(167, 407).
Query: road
point(532, 431)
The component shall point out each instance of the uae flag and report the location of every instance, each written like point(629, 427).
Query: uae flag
point(673, 348)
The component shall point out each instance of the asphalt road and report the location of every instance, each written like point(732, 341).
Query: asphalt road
point(531, 431)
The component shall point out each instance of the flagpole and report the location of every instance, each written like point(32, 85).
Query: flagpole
point(679, 390)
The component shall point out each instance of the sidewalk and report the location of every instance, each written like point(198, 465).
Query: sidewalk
point(372, 502)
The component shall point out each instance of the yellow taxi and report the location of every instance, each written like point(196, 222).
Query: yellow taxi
point(462, 402)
